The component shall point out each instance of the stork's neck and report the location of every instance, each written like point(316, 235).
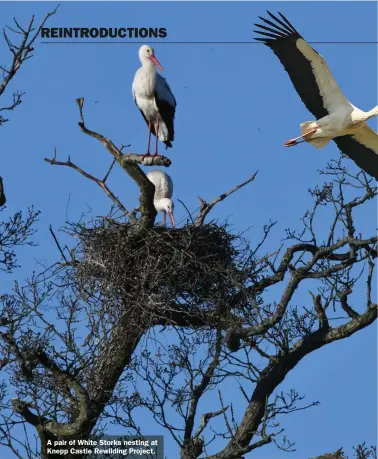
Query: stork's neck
point(372, 112)
point(159, 205)
point(148, 65)
point(146, 79)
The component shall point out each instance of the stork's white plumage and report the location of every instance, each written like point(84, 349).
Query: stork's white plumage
point(154, 99)
point(163, 194)
point(337, 118)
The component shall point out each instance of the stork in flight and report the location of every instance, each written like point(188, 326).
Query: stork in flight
point(154, 99)
point(336, 117)
point(163, 194)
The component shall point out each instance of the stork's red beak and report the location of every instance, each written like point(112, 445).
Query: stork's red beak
point(170, 213)
point(156, 62)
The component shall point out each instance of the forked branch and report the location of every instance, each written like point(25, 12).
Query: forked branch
point(205, 208)
point(101, 183)
point(21, 51)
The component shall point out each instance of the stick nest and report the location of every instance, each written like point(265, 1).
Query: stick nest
point(186, 266)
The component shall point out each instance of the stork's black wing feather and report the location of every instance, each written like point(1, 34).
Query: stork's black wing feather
point(167, 112)
point(145, 119)
point(365, 155)
point(282, 37)
point(166, 103)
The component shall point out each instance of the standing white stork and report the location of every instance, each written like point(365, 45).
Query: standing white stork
point(154, 99)
point(337, 118)
point(163, 194)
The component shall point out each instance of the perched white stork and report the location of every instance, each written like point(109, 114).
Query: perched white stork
point(163, 194)
point(337, 118)
point(154, 99)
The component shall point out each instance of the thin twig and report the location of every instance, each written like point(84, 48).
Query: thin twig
point(100, 183)
point(206, 208)
point(57, 243)
point(110, 169)
point(189, 214)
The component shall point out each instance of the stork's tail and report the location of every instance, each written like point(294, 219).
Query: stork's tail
point(317, 142)
point(168, 144)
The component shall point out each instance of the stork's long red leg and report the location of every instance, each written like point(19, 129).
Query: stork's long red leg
point(293, 142)
point(157, 138)
point(149, 141)
point(165, 218)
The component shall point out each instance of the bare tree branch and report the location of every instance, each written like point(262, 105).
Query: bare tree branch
point(344, 303)
point(147, 189)
point(21, 52)
point(206, 208)
point(100, 183)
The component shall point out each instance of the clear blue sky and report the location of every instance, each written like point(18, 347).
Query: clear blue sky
point(236, 108)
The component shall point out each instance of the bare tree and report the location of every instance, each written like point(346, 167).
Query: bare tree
point(20, 41)
point(17, 229)
point(20, 50)
point(15, 232)
point(84, 342)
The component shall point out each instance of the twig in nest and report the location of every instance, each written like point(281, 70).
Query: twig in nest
point(189, 214)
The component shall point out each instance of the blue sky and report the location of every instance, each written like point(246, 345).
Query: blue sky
point(236, 108)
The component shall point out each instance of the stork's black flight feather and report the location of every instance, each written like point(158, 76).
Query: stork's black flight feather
point(282, 38)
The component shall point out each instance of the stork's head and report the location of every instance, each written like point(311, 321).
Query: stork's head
point(166, 205)
point(147, 55)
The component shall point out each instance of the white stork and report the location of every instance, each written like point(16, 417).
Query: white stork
point(154, 99)
point(163, 194)
point(337, 118)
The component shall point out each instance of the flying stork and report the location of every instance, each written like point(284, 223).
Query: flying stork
point(154, 99)
point(336, 117)
point(163, 194)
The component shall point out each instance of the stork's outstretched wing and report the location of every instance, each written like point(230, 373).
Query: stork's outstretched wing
point(307, 69)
